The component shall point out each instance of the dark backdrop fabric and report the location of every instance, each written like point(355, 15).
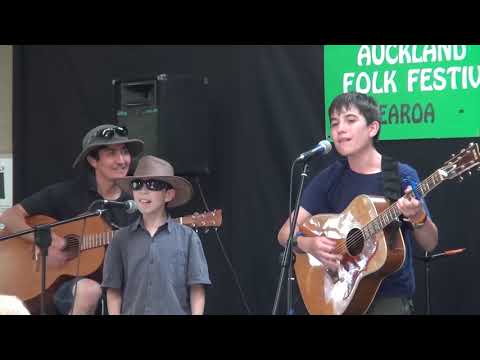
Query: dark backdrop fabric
point(266, 107)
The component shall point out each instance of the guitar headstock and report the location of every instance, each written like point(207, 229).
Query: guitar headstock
point(211, 219)
point(464, 161)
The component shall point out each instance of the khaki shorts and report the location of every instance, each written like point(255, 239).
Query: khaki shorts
point(391, 306)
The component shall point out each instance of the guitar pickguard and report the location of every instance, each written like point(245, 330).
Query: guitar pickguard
point(339, 286)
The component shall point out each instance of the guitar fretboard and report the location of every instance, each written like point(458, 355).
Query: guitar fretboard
point(92, 241)
point(96, 240)
point(392, 213)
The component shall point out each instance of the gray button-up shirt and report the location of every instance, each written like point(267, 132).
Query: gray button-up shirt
point(154, 274)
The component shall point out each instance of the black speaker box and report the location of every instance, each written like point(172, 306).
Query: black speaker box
point(170, 113)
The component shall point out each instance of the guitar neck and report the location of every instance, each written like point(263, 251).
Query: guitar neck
point(92, 241)
point(212, 219)
point(392, 213)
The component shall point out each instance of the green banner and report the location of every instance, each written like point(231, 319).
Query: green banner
point(424, 91)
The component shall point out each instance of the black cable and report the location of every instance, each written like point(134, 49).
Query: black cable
point(235, 276)
point(290, 210)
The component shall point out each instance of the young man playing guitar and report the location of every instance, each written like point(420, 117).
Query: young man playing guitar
point(107, 154)
point(355, 126)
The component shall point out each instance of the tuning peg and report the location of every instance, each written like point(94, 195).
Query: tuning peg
point(460, 179)
point(206, 230)
point(469, 173)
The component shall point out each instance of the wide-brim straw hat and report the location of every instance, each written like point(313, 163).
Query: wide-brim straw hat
point(93, 140)
point(151, 167)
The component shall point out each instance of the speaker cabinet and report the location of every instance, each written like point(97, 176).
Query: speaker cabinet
point(170, 113)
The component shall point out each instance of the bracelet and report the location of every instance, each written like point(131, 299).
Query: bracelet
point(419, 223)
point(295, 241)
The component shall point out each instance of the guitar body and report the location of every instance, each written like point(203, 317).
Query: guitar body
point(20, 272)
point(366, 261)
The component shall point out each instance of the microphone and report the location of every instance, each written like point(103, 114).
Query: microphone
point(130, 206)
point(323, 147)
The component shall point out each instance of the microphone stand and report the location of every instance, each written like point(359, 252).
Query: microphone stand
point(287, 255)
point(43, 240)
point(427, 259)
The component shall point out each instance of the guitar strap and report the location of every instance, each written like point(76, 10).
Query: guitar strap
point(392, 190)
point(391, 179)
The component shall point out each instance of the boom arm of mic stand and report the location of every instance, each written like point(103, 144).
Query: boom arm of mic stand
point(29, 231)
point(427, 258)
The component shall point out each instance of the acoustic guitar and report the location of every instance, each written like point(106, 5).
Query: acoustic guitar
point(372, 249)
point(86, 240)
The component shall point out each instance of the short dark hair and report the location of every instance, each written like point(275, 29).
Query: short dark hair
point(366, 105)
point(94, 152)
point(85, 164)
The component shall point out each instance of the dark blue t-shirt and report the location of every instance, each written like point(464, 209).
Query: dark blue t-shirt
point(332, 190)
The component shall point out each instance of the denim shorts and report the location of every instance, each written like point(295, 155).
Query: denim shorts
point(64, 297)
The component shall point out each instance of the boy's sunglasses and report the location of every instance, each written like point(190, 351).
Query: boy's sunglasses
point(152, 184)
point(110, 132)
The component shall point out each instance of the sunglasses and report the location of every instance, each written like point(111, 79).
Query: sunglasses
point(153, 185)
point(110, 132)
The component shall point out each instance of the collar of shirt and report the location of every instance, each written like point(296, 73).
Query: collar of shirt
point(92, 187)
point(91, 182)
point(138, 223)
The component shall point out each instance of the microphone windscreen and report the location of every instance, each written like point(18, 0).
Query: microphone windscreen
point(131, 207)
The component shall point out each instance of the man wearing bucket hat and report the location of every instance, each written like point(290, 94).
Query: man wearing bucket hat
point(106, 154)
point(155, 265)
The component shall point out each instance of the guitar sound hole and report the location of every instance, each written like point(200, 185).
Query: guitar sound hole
point(72, 242)
point(355, 242)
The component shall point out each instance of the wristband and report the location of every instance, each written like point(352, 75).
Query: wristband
point(295, 241)
point(419, 223)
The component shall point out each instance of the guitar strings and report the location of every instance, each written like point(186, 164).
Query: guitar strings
point(91, 240)
point(357, 239)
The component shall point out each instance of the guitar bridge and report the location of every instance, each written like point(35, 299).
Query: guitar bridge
point(333, 275)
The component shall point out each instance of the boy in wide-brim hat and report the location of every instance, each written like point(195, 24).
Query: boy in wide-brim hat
point(155, 265)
